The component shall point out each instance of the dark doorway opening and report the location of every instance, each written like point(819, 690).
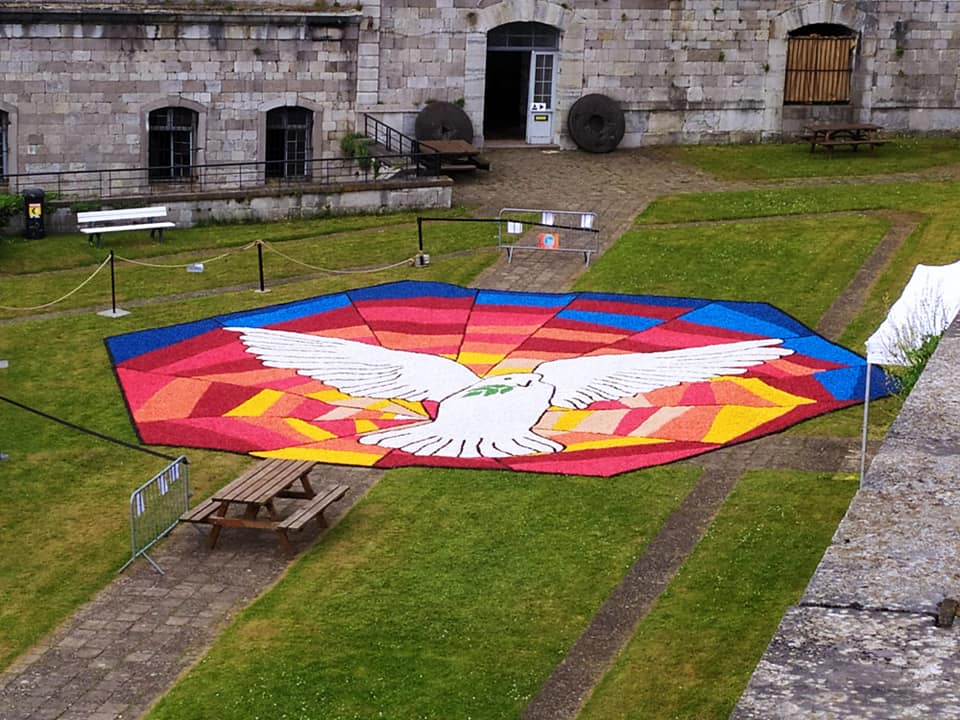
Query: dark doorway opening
point(506, 100)
point(505, 95)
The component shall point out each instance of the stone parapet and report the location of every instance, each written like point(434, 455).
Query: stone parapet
point(863, 643)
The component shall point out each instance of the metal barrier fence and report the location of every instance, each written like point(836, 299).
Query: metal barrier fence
point(156, 507)
point(126, 182)
point(580, 233)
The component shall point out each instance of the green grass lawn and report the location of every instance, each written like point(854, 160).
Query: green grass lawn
point(692, 656)
point(70, 250)
point(743, 261)
point(794, 160)
point(140, 273)
point(441, 595)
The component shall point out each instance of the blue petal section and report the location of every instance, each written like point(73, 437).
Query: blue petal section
point(124, 347)
point(822, 349)
point(409, 289)
point(635, 323)
point(282, 313)
point(522, 299)
point(845, 383)
point(655, 300)
point(754, 318)
point(882, 383)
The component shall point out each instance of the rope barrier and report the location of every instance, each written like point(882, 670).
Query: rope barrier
point(232, 251)
point(54, 302)
point(82, 429)
point(229, 252)
point(406, 261)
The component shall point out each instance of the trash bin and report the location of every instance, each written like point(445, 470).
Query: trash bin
point(33, 214)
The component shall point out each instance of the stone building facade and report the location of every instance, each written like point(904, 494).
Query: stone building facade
point(163, 84)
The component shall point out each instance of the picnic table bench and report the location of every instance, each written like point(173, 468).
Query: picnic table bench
point(254, 492)
point(96, 222)
point(452, 155)
point(830, 135)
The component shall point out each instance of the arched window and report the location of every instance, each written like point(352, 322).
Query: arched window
point(4, 134)
point(172, 141)
point(819, 65)
point(288, 142)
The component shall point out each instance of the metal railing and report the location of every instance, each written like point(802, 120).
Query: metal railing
point(107, 183)
point(580, 232)
point(156, 507)
point(389, 138)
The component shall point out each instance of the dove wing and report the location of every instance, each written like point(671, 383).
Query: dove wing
point(584, 380)
point(357, 368)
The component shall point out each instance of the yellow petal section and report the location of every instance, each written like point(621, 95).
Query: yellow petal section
point(732, 421)
point(363, 426)
point(308, 429)
point(570, 419)
point(778, 397)
point(257, 405)
point(473, 358)
point(328, 395)
point(611, 442)
point(335, 457)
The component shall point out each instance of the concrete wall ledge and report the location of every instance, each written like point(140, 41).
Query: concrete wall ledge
point(863, 642)
point(265, 204)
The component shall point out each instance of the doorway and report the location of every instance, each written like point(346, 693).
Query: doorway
point(520, 84)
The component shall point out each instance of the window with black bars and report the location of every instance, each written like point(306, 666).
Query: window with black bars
point(288, 142)
point(523, 36)
point(172, 143)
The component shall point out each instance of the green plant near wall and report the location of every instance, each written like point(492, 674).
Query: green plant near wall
point(85, 205)
point(906, 377)
point(10, 205)
point(358, 146)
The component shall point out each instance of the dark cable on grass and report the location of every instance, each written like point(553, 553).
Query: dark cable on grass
point(96, 434)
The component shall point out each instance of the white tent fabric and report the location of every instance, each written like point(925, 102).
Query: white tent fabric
point(927, 306)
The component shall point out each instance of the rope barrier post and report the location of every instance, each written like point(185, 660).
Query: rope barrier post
point(422, 260)
point(114, 311)
point(260, 264)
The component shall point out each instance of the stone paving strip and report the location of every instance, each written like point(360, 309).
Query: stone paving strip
point(120, 652)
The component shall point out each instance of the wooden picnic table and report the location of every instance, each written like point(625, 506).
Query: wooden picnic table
point(829, 135)
point(453, 154)
point(253, 494)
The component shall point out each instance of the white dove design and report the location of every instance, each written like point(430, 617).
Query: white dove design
point(490, 416)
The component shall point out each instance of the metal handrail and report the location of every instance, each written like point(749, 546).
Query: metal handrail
point(102, 183)
point(390, 138)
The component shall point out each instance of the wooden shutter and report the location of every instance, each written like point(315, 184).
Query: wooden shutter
point(818, 69)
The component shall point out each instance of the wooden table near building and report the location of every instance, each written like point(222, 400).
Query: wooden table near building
point(829, 135)
point(453, 155)
point(252, 495)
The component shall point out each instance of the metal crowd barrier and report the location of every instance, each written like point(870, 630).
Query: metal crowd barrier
point(156, 507)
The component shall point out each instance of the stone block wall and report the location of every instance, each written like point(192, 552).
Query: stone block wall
point(80, 85)
point(77, 80)
point(683, 70)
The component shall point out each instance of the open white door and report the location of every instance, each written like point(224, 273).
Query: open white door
point(541, 110)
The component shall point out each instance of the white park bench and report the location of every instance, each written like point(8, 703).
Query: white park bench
point(96, 222)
